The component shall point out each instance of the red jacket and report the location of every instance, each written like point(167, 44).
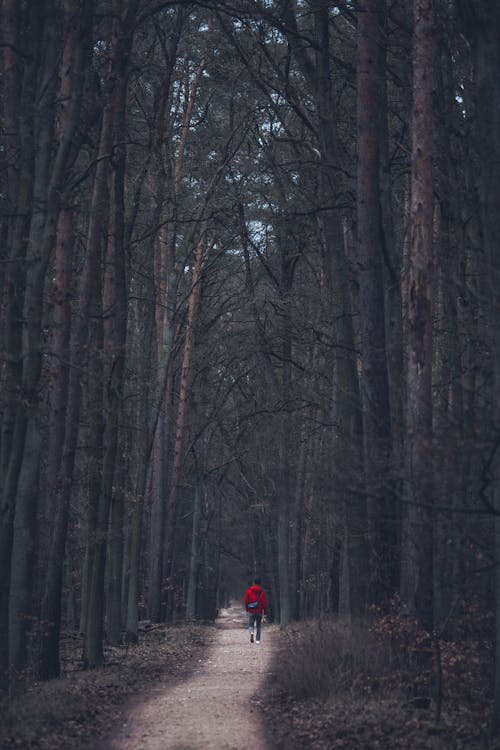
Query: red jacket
point(252, 594)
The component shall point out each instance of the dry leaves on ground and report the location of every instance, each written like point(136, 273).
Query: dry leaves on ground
point(353, 724)
point(81, 709)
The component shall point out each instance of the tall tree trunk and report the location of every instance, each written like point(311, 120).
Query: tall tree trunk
point(194, 559)
point(116, 551)
point(98, 220)
point(482, 26)
point(417, 566)
point(182, 414)
point(393, 215)
point(448, 412)
point(18, 156)
point(158, 510)
point(122, 36)
point(165, 278)
point(49, 175)
point(347, 450)
point(115, 333)
point(75, 54)
point(376, 410)
point(97, 512)
point(307, 440)
point(288, 263)
point(166, 287)
point(141, 452)
point(56, 517)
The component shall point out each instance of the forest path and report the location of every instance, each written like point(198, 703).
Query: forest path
point(214, 707)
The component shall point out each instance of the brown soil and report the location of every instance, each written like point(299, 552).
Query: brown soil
point(217, 707)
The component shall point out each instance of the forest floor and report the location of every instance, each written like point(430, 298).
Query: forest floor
point(188, 688)
point(196, 687)
point(84, 708)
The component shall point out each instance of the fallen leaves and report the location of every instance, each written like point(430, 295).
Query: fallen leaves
point(353, 724)
point(82, 708)
point(341, 690)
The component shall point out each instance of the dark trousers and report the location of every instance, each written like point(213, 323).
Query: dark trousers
point(254, 621)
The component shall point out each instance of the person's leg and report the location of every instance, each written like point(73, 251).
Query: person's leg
point(258, 620)
point(251, 623)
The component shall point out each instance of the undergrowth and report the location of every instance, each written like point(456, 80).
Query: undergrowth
point(337, 684)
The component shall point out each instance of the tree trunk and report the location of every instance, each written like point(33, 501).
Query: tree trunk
point(347, 449)
point(47, 187)
point(417, 566)
point(288, 263)
point(194, 560)
point(142, 450)
point(376, 410)
point(184, 401)
point(165, 278)
point(22, 562)
point(116, 560)
point(56, 517)
point(393, 215)
point(75, 54)
point(97, 512)
point(483, 29)
point(18, 156)
point(307, 439)
point(158, 510)
point(122, 35)
point(98, 219)
point(115, 334)
point(449, 361)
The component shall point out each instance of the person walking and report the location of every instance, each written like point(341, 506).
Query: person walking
point(256, 606)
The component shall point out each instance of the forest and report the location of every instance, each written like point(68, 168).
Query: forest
point(249, 320)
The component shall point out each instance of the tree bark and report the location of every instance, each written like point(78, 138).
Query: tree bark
point(18, 159)
point(158, 509)
point(166, 275)
point(48, 183)
point(122, 35)
point(115, 334)
point(182, 413)
point(285, 494)
point(56, 515)
point(376, 409)
point(194, 559)
point(482, 27)
point(97, 512)
point(98, 220)
point(417, 565)
point(347, 448)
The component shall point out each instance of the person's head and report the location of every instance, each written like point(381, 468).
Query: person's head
point(257, 581)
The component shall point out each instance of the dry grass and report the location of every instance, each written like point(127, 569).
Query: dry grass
point(340, 687)
point(321, 657)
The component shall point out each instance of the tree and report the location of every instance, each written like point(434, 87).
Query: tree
point(376, 409)
point(417, 549)
point(121, 38)
point(77, 22)
point(48, 176)
point(482, 25)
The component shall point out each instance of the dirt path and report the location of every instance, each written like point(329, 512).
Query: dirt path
point(217, 707)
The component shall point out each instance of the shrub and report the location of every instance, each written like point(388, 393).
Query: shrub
point(453, 666)
point(319, 657)
point(390, 655)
